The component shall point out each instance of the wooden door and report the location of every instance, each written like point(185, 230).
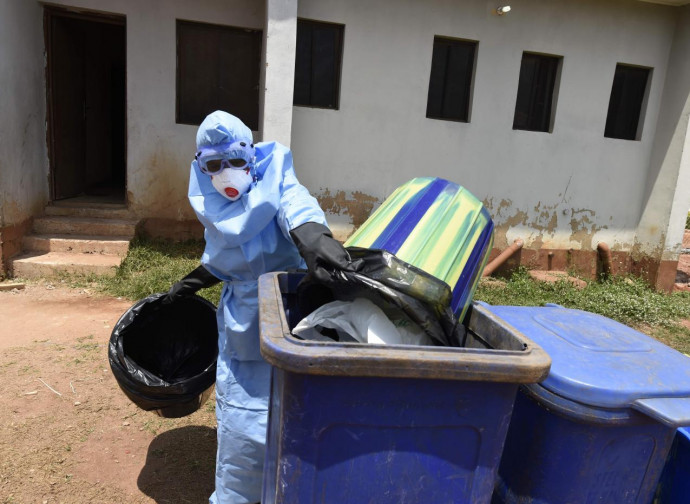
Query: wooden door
point(86, 103)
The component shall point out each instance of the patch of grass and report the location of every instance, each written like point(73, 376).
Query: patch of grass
point(210, 405)
point(88, 347)
point(628, 300)
point(151, 266)
point(27, 369)
point(85, 434)
point(155, 265)
point(687, 221)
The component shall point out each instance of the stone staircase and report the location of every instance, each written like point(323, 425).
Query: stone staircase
point(75, 237)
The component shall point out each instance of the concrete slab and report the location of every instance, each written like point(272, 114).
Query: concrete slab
point(8, 286)
point(37, 265)
point(104, 211)
point(112, 245)
point(84, 226)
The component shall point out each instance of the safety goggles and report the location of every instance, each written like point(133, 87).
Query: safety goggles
point(215, 158)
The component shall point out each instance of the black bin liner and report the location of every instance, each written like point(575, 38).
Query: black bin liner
point(386, 280)
point(164, 356)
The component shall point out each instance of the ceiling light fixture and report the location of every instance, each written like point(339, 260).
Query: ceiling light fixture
point(503, 10)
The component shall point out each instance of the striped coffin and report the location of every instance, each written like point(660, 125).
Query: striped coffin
point(438, 226)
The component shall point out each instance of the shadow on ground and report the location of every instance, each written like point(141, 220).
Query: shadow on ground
point(180, 466)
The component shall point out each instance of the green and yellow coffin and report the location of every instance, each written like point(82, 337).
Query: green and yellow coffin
point(437, 226)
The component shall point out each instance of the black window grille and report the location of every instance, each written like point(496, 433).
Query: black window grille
point(450, 82)
point(626, 103)
point(218, 68)
point(535, 97)
point(318, 61)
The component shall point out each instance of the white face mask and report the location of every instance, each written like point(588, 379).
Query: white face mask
point(232, 184)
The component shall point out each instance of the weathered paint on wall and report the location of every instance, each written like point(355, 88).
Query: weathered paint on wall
point(23, 155)
point(346, 211)
point(570, 188)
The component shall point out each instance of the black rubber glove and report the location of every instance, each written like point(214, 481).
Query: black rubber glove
point(198, 279)
point(321, 251)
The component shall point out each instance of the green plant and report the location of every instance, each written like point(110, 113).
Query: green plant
point(626, 299)
point(687, 221)
point(151, 266)
point(154, 265)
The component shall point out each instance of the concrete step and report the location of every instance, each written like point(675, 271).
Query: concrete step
point(39, 264)
point(98, 211)
point(84, 226)
point(80, 244)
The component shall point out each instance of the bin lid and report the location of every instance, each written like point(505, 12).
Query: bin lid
point(597, 361)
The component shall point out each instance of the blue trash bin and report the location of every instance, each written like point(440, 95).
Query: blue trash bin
point(674, 487)
point(599, 428)
point(358, 423)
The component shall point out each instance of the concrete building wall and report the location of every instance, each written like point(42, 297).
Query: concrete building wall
point(563, 190)
point(23, 158)
point(566, 189)
point(667, 190)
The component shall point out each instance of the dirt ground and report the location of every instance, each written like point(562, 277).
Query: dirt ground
point(67, 432)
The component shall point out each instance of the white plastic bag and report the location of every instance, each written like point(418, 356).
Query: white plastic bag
point(362, 321)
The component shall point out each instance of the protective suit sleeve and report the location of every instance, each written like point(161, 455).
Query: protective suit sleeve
point(200, 278)
point(297, 206)
point(321, 251)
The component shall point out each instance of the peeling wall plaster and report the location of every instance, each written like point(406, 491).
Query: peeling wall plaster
point(545, 226)
point(357, 206)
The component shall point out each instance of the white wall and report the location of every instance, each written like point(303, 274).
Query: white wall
point(23, 158)
point(159, 151)
point(667, 195)
point(569, 188)
point(278, 70)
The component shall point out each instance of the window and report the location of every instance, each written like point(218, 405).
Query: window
point(450, 83)
point(317, 64)
point(626, 104)
point(535, 98)
point(217, 69)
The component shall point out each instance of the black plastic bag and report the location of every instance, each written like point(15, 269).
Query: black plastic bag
point(163, 355)
point(389, 281)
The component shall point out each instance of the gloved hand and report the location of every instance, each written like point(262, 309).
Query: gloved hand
point(198, 279)
point(321, 251)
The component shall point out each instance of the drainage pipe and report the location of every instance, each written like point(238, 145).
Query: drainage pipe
point(502, 257)
point(605, 255)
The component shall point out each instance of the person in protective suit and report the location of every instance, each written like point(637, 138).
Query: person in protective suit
point(257, 218)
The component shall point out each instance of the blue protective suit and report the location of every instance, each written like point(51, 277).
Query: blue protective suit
point(245, 239)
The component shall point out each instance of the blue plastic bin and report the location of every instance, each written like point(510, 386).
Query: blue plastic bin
point(674, 487)
point(599, 428)
point(358, 423)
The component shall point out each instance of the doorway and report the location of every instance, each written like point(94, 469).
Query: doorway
point(86, 90)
